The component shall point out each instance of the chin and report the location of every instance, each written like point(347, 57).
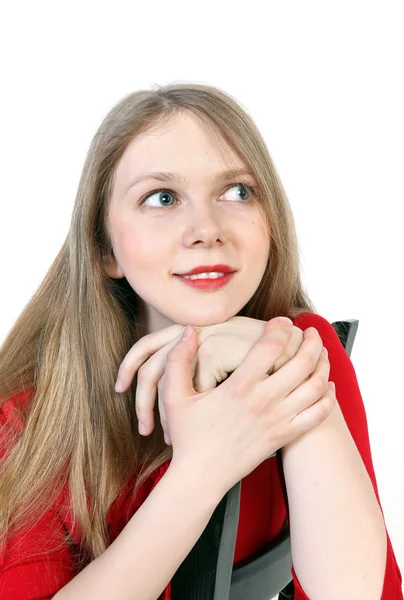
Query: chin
point(211, 318)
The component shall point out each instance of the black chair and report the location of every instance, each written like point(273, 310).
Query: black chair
point(207, 573)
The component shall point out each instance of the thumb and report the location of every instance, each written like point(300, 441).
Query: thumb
point(178, 376)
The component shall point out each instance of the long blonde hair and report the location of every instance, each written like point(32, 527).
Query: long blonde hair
point(65, 348)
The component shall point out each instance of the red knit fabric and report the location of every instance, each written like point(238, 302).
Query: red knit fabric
point(262, 506)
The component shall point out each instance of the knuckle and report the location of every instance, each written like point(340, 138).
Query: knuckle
point(297, 338)
point(264, 402)
point(325, 407)
point(308, 360)
point(143, 413)
point(166, 398)
point(259, 405)
point(144, 402)
point(276, 415)
point(331, 402)
point(276, 343)
point(173, 354)
point(143, 374)
point(237, 387)
point(169, 400)
point(323, 410)
point(142, 416)
point(318, 384)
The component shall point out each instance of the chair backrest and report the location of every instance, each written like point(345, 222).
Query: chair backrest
point(207, 573)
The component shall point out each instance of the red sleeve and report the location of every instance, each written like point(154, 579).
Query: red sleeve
point(342, 373)
point(23, 574)
point(32, 566)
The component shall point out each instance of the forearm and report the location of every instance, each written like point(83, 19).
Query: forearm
point(338, 535)
point(141, 562)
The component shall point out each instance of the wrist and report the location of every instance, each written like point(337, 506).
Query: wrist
point(192, 480)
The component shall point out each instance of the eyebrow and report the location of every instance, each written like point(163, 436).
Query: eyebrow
point(169, 176)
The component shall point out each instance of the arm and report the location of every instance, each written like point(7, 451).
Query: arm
point(339, 544)
point(338, 535)
point(143, 559)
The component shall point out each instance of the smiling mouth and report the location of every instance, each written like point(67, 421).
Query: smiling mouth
point(207, 283)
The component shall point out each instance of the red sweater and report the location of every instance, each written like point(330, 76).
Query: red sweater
point(262, 506)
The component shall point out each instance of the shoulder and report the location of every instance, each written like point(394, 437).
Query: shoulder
point(309, 319)
point(325, 329)
point(342, 372)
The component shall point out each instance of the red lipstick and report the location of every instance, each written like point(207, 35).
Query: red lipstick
point(208, 269)
point(208, 284)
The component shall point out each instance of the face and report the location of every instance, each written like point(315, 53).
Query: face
point(162, 228)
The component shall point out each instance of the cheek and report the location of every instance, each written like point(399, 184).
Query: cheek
point(141, 251)
point(260, 238)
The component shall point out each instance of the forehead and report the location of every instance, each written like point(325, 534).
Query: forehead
point(184, 144)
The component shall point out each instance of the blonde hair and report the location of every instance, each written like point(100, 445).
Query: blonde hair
point(65, 348)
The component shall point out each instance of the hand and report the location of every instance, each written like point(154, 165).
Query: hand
point(155, 345)
point(225, 433)
point(221, 348)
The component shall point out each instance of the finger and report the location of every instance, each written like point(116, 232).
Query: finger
point(148, 377)
point(144, 404)
point(297, 369)
point(294, 343)
point(142, 350)
point(263, 355)
point(162, 412)
point(205, 380)
point(311, 389)
point(315, 414)
point(292, 347)
point(177, 375)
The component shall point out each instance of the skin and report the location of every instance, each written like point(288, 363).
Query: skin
point(221, 349)
point(202, 222)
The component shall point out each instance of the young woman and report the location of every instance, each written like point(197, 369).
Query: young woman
point(176, 179)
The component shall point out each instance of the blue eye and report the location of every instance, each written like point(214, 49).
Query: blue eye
point(164, 195)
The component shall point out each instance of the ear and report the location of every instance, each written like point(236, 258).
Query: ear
point(112, 267)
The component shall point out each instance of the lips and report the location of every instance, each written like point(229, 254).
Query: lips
point(221, 268)
point(206, 284)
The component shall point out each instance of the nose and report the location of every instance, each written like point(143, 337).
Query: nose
point(204, 226)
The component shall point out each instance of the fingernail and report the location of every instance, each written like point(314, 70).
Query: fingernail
point(187, 334)
point(142, 428)
point(119, 385)
point(284, 320)
point(167, 439)
point(332, 385)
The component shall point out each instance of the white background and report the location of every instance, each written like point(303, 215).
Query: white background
point(323, 81)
